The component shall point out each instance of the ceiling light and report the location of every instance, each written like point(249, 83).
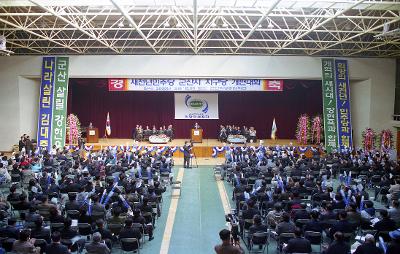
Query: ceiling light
point(260, 26)
point(166, 24)
point(213, 25)
point(179, 25)
point(224, 25)
point(121, 24)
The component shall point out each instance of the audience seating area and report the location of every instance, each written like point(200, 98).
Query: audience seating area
point(117, 194)
point(279, 197)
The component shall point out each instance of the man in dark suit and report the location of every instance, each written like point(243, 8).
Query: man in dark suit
point(186, 154)
point(39, 232)
point(338, 246)
point(257, 227)
point(56, 247)
point(298, 244)
point(97, 207)
point(129, 232)
point(342, 225)
point(314, 225)
point(386, 223)
point(138, 218)
point(105, 233)
point(248, 214)
point(10, 230)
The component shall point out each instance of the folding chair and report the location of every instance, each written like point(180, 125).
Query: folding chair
point(300, 223)
point(284, 238)
point(141, 229)
point(129, 245)
point(114, 228)
point(260, 239)
point(56, 227)
point(73, 214)
point(42, 244)
point(315, 238)
point(176, 190)
point(97, 215)
point(85, 229)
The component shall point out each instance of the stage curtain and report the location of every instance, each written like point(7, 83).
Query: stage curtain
point(91, 100)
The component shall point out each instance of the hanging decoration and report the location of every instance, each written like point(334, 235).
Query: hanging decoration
point(369, 137)
point(303, 129)
point(73, 129)
point(316, 130)
point(386, 140)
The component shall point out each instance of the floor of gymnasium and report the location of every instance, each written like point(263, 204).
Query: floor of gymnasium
point(193, 220)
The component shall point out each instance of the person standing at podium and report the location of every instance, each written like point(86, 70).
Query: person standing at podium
point(197, 126)
point(186, 154)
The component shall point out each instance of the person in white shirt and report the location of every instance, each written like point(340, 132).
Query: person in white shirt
point(4, 172)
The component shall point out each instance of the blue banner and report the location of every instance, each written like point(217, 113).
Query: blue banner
point(343, 104)
point(46, 103)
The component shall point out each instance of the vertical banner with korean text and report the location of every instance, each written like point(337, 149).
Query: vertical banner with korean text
point(46, 103)
point(60, 102)
point(343, 104)
point(329, 104)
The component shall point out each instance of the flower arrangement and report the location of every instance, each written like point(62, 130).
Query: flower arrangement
point(316, 130)
point(303, 129)
point(385, 140)
point(368, 139)
point(73, 129)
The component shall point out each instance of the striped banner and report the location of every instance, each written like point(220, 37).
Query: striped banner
point(46, 103)
point(60, 102)
point(343, 105)
point(329, 105)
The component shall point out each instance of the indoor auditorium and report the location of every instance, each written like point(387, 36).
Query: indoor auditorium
point(200, 126)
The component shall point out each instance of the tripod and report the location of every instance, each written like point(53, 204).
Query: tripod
point(191, 158)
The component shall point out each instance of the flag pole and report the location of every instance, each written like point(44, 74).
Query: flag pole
point(105, 135)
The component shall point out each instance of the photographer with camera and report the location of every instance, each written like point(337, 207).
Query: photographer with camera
point(186, 154)
point(228, 246)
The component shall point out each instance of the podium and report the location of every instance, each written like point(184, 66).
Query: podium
point(197, 135)
point(92, 135)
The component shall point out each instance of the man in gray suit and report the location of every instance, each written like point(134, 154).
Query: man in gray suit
point(96, 246)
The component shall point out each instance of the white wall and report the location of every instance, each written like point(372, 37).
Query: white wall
point(360, 107)
point(29, 90)
point(373, 106)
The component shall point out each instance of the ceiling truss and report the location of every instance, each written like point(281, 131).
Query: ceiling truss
point(251, 27)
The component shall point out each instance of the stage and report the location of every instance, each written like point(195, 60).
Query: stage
point(203, 149)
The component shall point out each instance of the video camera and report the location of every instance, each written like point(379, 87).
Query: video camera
point(234, 225)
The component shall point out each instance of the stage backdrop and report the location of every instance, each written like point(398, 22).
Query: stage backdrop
point(201, 106)
point(91, 100)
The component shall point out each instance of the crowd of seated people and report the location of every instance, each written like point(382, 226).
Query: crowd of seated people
point(296, 200)
point(111, 195)
point(225, 131)
point(140, 134)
